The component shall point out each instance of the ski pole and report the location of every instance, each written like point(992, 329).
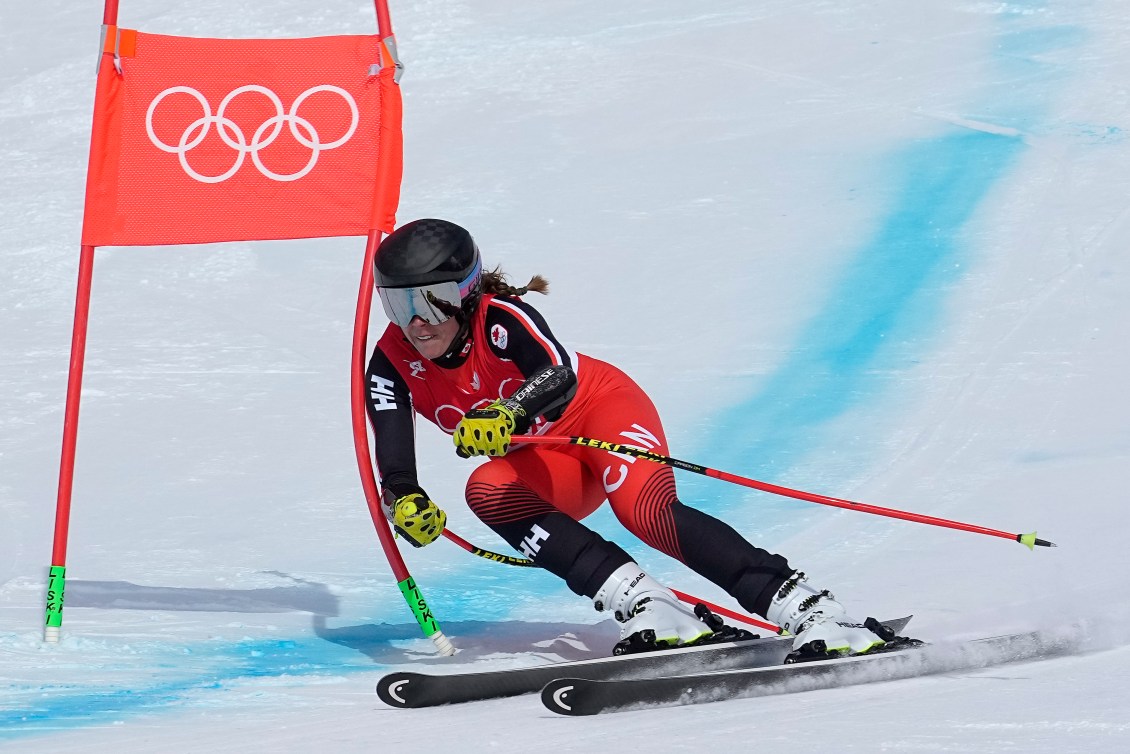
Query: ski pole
point(690, 599)
point(495, 556)
point(1028, 540)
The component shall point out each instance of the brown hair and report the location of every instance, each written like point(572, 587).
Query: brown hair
point(495, 281)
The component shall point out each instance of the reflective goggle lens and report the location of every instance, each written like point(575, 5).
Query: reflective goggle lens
point(434, 303)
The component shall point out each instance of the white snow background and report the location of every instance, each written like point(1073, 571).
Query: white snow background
point(876, 250)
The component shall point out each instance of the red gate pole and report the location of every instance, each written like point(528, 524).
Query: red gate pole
point(407, 584)
point(56, 580)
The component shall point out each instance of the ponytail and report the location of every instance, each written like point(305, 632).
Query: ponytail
point(495, 281)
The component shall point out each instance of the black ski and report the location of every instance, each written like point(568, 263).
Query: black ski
point(579, 696)
point(424, 690)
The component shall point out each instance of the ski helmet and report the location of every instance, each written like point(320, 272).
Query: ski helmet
point(430, 269)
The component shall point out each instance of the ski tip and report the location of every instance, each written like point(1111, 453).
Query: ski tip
point(391, 690)
point(1031, 541)
point(557, 696)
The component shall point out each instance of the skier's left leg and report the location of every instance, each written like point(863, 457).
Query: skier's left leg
point(644, 499)
point(513, 496)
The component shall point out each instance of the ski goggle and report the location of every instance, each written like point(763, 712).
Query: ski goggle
point(434, 303)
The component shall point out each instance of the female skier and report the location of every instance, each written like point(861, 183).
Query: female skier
point(463, 351)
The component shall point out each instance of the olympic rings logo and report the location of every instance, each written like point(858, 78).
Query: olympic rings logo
point(265, 135)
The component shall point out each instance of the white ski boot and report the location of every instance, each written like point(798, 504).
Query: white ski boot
point(816, 616)
point(650, 614)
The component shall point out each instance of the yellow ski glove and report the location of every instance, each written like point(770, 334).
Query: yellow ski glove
point(487, 431)
point(418, 519)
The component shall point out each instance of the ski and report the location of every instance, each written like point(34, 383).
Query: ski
point(406, 689)
point(580, 696)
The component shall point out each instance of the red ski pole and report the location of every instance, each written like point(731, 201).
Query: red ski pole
point(1028, 540)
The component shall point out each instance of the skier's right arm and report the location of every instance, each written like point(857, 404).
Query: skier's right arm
point(389, 405)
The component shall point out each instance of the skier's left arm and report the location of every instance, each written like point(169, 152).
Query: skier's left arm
point(517, 332)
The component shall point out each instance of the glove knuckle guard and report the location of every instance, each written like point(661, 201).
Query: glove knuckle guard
point(484, 432)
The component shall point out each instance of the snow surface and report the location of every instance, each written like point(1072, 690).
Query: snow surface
point(874, 249)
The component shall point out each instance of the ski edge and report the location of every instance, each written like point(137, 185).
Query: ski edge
point(918, 661)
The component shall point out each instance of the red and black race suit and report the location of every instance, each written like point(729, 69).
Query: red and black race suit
point(536, 495)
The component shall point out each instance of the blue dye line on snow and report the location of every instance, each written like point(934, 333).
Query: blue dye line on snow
point(885, 302)
point(885, 307)
point(226, 664)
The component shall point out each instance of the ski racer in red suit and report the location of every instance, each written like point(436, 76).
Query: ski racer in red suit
point(466, 353)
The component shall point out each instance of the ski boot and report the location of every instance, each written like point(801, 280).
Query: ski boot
point(820, 624)
point(650, 615)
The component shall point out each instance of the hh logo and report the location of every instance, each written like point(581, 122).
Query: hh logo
point(380, 394)
point(531, 545)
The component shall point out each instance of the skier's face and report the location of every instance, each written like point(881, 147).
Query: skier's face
point(432, 341)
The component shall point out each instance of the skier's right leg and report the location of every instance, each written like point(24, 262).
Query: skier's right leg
point(503, 495)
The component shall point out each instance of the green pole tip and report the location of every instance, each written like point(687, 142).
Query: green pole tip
point(1031, 541)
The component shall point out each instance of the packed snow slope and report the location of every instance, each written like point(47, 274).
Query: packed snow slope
point(875, 250)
